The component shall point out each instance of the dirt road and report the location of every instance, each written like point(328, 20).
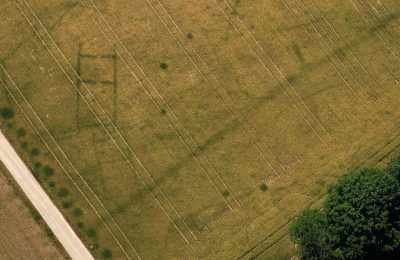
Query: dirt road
point(41, 201)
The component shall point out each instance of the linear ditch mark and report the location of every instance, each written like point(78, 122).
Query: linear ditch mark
point(339, 55)
point(169, 115)
point(101, 116)
point(269, 158)
point(346, 46)
point(331, 60)
point(94, 82)
point(274, 71)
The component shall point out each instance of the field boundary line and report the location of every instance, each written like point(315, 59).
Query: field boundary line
point(373, 28)
point(166, 105)
point(59, 162)
point(331, 48)
point(102, 124)
point(208, 70)
point(327, 55)
point(297, 96)
point(378, 17)
point(348, 48)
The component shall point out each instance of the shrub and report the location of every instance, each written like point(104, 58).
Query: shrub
point(35, 152)
point(21, 132)
point(63, 192)
point(163, 65)
point(106, 254)
point(80, 225)
point(51, 184)
point(48, 170)
point(67, 204)
point(91, 232)
point(24, 145)
point(190, 36)
point(225, 193)
point(263, 187)
point(77, 212)
point(38, 165)
point(6, 113)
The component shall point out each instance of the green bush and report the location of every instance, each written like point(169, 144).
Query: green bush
point(77, 212)
point(163, 65)
point(24, 145)
point(48, 170)
point(225, 193)
point(190, 36)
point(21, 132)
point(263, 187)
point(91, 232)
point(67, 204)
point(35, 152)
point(63, 192)
point(51, 184)
point(37, 165)
point(6, 113)
point(80, 225)
point(106, 254)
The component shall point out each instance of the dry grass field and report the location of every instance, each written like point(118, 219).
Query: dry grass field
point(190, 129)
point(22, 237)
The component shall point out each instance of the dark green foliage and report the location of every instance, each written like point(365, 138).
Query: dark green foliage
point(91, 232)
point(263, 187)
point(48, 170)
point(163, 65)
point(80, 225)
point(190, 36)
point(63, 192)
point(163, 111)
point(21, 132)
point(309, 231)
point(24, 145)
point(38, 165)
point(363, 214)
point(49, 232)
point(106, 254)
point(77, 212)
point(10, 125)
point(35, 152)
point(225, 193)
point(394, 168)
point(360, 219)
point(35, 215)
point(67, 204)
point(6, 113)
point(51, 184)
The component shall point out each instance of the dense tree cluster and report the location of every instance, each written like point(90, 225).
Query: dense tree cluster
point(360, 218)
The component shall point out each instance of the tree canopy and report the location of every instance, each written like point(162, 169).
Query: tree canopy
point(360, 218)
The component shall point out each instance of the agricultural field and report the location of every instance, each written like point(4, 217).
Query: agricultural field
point(23, 234)
point(191, 129)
